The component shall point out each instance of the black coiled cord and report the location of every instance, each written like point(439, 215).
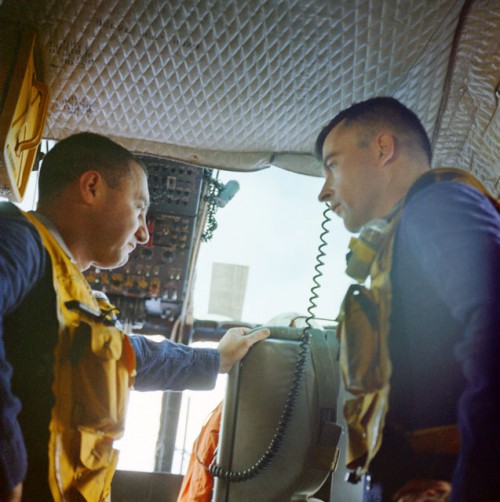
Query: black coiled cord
point(214, 187)
point(319, 264)
point(286, 415)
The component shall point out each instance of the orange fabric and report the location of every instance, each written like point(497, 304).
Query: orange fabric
point(198, 483)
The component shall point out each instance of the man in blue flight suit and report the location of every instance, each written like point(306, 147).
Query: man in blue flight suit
point(424, 421)
point(93, 199)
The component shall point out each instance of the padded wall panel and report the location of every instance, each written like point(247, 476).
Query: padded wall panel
point(469, 134)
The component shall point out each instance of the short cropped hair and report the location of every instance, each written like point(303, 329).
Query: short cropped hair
point(380, 111)
point(82, 152)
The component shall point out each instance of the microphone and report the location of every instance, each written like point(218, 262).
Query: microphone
point(227, 192)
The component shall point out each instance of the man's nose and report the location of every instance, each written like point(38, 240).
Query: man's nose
point(326, 193)
point(142, 234)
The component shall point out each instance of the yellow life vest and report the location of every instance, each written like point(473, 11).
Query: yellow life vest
point(93, 371)
point(364, 330)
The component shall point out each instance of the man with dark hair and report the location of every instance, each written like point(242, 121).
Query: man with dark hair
point(374, 112)
point(68, 159)
point(65, 366)
point(420, 349)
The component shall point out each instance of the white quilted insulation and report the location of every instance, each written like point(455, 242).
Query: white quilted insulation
point(244, 84)
point(469, 132)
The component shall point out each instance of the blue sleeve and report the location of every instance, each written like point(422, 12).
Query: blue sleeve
point(22, 261)
point(455, 233)
point(167, 365)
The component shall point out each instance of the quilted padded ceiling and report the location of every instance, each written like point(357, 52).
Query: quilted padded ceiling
point(242, 85)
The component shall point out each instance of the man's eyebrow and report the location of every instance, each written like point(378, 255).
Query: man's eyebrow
point(146, 201)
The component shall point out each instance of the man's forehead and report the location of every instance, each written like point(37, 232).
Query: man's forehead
point(331, 140)
point(341, 128)
point(339, 133)
point(141, 181)
point(137, 167)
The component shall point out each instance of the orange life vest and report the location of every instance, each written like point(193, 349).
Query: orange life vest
point(198, 483)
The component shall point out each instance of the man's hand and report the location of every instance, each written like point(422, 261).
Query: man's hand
point(424, 491)
point(234, 345)
point(13, 495)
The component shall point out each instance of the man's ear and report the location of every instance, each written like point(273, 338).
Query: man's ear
point(89, 184)
point(386, 146)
